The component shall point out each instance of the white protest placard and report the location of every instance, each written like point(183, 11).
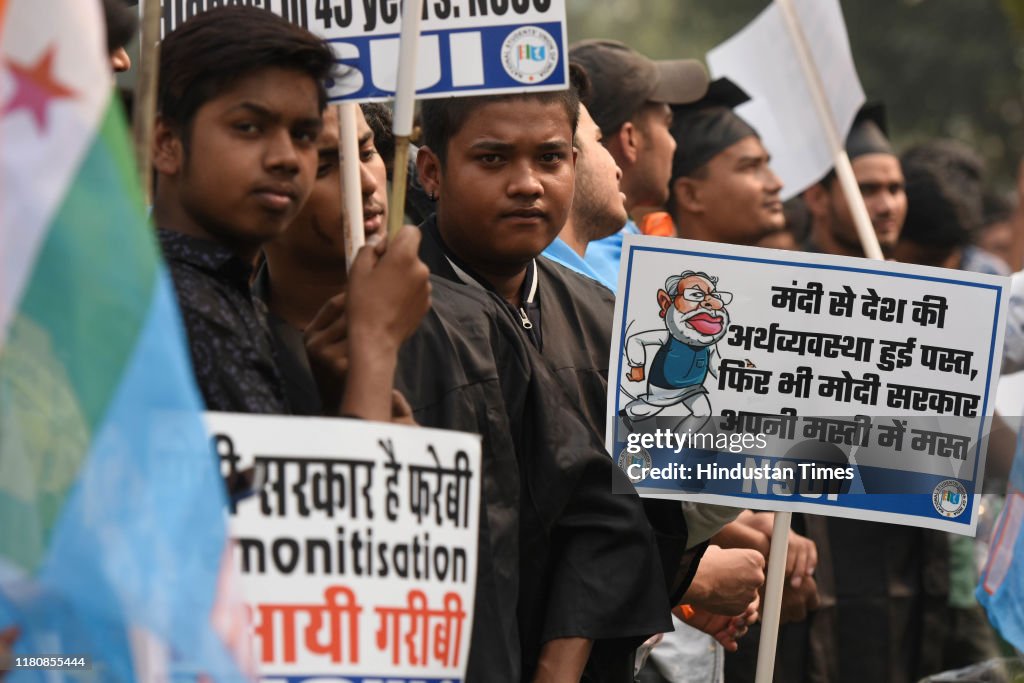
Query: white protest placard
point(466, 47)
point(358, 550)
point(764, 59)
point(804, 382)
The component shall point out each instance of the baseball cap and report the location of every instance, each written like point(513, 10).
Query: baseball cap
point(622, 80)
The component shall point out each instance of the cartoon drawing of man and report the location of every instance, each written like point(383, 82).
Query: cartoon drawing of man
point(695, 320)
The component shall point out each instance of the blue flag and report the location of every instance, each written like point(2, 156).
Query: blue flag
point(1001, 588)
point(112, 523)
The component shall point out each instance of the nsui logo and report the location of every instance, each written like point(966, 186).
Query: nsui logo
point(950, 498)
point(529, 54)
point(642, 459)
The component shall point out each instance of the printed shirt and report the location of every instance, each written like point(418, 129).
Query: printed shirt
point(232, 354)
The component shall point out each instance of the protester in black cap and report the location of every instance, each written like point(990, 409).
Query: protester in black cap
point(630, 100)
point(722, 187)
point(878, 172)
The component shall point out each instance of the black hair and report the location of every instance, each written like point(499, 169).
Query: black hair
point(121, 24)
point(444, 117)
point(671, 206)
point(995, 209)
point(960, 166)
point(830, 178)
point(798, 218)
point(967, 164)
point(580, 82)
point(937, 215)
point(213, 50)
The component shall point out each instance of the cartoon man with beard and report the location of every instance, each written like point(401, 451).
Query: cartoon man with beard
point(695, 320)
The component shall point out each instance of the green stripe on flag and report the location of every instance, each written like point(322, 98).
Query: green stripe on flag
point(77, 324)
point(94, 277)
point(43, 442)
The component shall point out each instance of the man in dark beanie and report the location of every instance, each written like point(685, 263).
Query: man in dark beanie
point(880, 177)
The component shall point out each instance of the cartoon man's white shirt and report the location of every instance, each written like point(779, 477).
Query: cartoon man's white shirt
point(636, 349)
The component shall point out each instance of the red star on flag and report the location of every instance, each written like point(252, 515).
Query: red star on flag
point(35, 88)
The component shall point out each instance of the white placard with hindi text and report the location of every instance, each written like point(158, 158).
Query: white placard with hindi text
point(357, 551)
point(792, 381)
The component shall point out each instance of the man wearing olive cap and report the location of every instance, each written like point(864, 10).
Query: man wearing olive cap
point(630, 99)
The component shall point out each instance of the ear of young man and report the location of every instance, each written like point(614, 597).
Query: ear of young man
point(624, 145)
point(428, 166)
point(686, 194)
point(168, 150)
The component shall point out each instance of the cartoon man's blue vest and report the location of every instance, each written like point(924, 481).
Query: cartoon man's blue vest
point(678, 365)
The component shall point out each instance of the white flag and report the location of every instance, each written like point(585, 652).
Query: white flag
point(764, 60)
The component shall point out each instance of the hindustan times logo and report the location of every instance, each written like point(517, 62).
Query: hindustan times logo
point(666, 438)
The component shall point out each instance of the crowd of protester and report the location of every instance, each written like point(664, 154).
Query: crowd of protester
point(492, 312)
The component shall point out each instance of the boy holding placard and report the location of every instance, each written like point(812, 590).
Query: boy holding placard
point(551, 527)
point(502, 169)
point(235, 159)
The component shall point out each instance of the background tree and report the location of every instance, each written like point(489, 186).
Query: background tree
point(944, 68)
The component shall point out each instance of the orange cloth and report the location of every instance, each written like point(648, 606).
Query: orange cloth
point(658, 223)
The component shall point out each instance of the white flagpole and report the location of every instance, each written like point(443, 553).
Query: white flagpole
point(772, 608)
point(150, 656)
point(405, 103)
point(351, 187)
point(144, 106)
point(844, 170)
